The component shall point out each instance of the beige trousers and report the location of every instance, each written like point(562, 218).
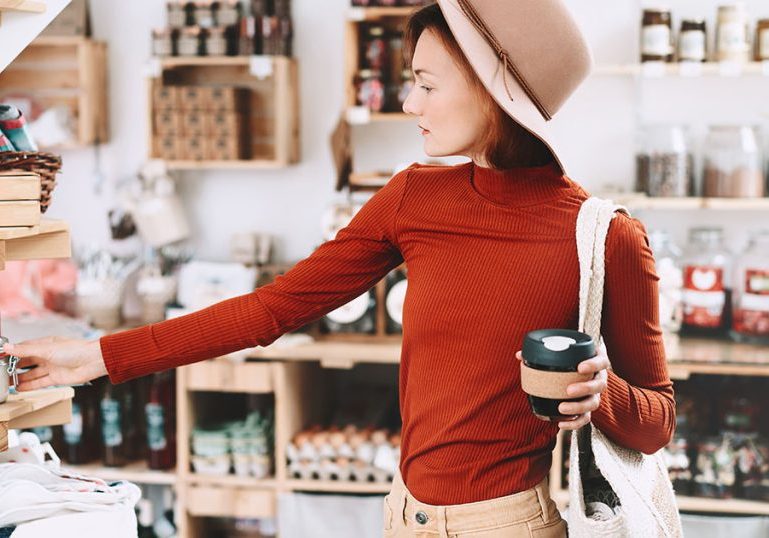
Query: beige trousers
point(530, 513)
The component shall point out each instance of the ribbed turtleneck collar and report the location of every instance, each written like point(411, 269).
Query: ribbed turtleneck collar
point(519, 186)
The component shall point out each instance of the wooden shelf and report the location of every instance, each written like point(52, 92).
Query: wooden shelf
point(28, 6)
point(639, 201)
point(724, 506)
point(47, 407)
point(684, 70)
point(226, 375)
point(336, 354)
point(48, 240)
point(376, 13)
point(331, 486)
point(230, 480)
point(226, 165)
point(137, 472)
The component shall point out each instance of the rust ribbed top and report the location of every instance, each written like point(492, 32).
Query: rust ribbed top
point(490, 256)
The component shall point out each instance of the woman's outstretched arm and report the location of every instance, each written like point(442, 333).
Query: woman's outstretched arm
point(337, 272)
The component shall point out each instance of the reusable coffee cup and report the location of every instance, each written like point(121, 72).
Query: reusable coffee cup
point(550, 361)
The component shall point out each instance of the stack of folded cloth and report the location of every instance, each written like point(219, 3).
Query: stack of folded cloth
point(14, 134)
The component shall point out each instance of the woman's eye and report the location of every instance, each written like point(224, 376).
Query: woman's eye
point(425, 88)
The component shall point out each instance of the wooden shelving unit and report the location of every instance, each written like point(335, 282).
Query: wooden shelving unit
point(68, 72)
point(48, 240)
point(27, 6)
point(48, 407)
point(272, 85)
point(137, 472)
point(640, 201)
point(684, 70)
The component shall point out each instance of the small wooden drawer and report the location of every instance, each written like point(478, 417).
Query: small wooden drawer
point(212, 501)
point(224, 375)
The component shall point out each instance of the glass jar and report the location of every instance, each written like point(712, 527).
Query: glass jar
point(162, 43)
point(370, 90)
point(692, 41)
point(664, 163)
point(396, 284)
point(751, 291)
point(375, 49)
point(707, 275)
point(732, 34)
point(175, 14)
point(407, 83)
point(229, 13)
point(733, 163)
point(357, 316)
point(656, 36)
point(667, 259)
point(204, 15)
point(216, 43)
point(762, 40)
point(189, 41)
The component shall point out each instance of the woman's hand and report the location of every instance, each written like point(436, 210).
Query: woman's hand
point(590, 391)
point(57, 361)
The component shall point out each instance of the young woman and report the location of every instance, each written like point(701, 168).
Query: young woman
point(491, 254)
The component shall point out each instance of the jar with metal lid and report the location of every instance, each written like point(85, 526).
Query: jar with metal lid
point(189, 41)
point(407, 83)
point(204, 14)
point(370, 90)
point(692, 41)
point(734, 166)
point(375, 48)
point(665, 164)
point(216, 42)
point(751, 291)
point(228, 13)
point(667, 260)
point(762, 40)
point(707, 292)
point(657, 35)
point(162, 42)
point(175, 12)
point(732, 34)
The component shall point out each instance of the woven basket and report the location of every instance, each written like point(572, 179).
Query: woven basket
point(46, 165)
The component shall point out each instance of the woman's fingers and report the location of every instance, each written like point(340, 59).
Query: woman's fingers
point(31, 375)
point(585, 405)
point(39, 383)
point(594, 365)
point(576, 423)
point(588, 388)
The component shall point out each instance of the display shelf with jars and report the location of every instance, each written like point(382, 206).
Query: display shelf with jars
point(137, 472)
point(64, 78)
point(720, 451)
point(226, 113)
point(376, 77)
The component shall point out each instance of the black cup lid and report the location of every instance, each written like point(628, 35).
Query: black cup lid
point(561, 348)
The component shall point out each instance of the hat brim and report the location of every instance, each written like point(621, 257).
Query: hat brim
point(489, 69)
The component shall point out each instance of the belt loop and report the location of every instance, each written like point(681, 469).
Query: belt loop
point(443, 530)
point(540, 488)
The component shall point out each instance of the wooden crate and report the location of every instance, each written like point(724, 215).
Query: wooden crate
point(47, 407)
point(64, 71)
point(272, 123)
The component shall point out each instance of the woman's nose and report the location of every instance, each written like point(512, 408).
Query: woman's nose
point(409, 105)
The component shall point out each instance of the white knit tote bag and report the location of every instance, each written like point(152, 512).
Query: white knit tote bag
point(640, 482)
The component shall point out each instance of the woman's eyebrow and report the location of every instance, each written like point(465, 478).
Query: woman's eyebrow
point(420, 71)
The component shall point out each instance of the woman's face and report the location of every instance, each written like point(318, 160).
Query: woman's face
point(447, 106)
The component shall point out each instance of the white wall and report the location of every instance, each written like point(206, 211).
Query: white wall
point(599, 125)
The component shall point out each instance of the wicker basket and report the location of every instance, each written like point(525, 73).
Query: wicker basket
point(46, 165)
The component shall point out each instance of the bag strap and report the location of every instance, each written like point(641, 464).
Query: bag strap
point(593, 222)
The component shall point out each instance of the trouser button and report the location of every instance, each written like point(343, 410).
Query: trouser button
point(421, 518)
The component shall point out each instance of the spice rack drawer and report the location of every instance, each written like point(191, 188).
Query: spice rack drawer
point(212, 501)
point(224, 375)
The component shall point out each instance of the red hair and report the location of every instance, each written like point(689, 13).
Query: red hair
point(506, 143)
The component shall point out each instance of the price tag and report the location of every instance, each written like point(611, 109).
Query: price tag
point(729, 69)
point(260, 66)
point(153, 69)
point(653, 69)
point(690, 69)
point(358, 115)
point(356, 14)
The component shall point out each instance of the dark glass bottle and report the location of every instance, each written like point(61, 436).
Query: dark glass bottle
point(81, 435)
point(160, 415)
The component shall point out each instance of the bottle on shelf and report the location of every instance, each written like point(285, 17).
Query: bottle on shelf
point(707, 281)
point(656, 36)
point(667, 259)
point(118, 428)
point(165, 525)
point(81, 434)
point(160, 414)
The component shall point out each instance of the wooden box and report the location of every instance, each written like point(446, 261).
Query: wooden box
point(169, 123)
point(65, 72)
point(19, 199)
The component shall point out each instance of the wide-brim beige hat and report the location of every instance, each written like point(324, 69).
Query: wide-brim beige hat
point(529, 54)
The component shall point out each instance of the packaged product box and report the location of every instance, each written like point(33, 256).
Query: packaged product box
point(195, 148)
point(168, 147)
point(224, 148)
point(166, 98)
point(195, 122)
point(228, 99)
point(225, 123)
point(169, 123)
point(195, 97)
